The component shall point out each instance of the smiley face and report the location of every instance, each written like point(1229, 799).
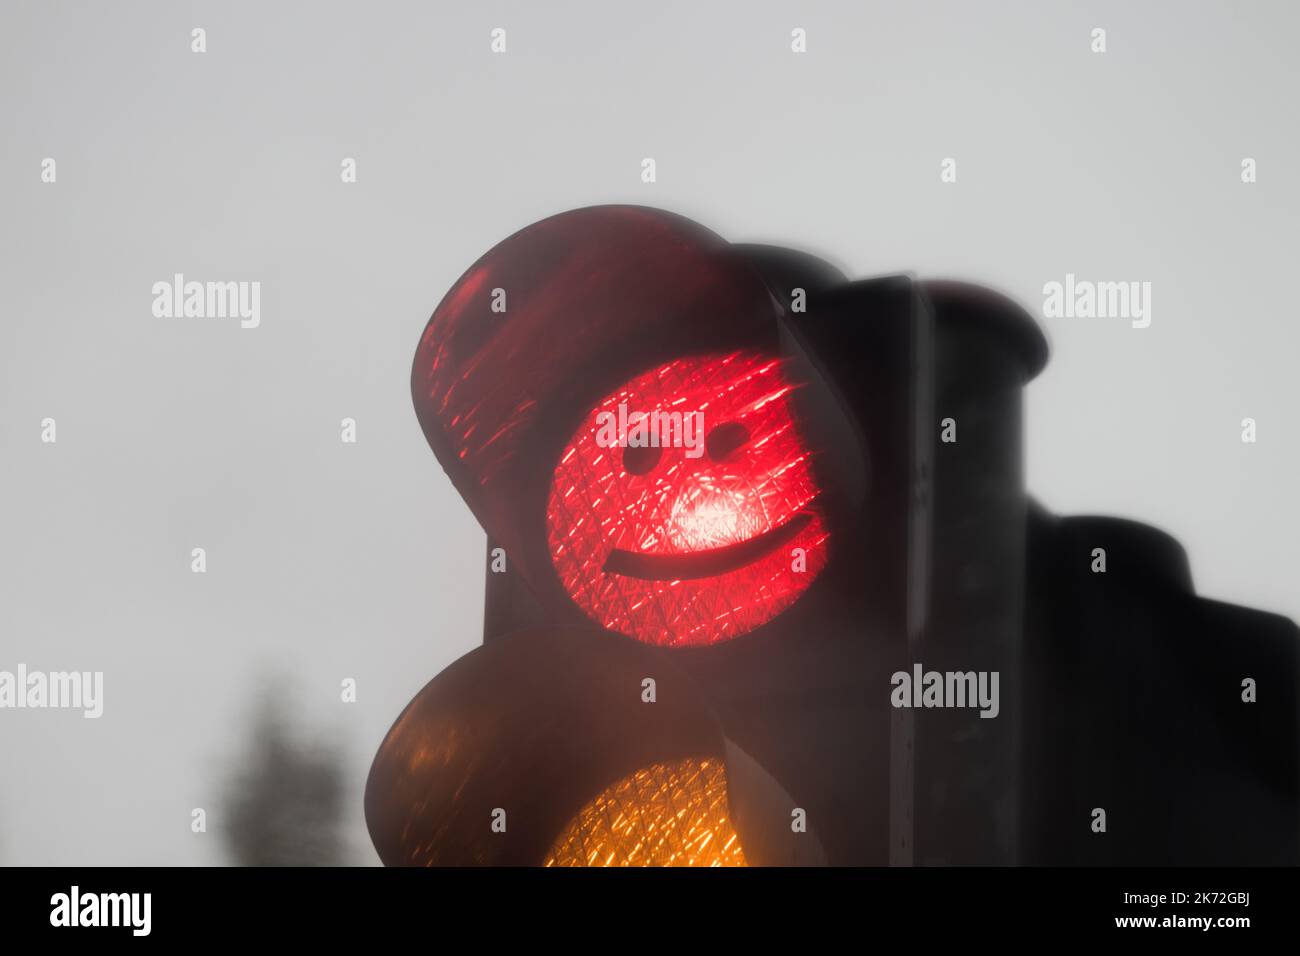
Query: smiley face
point(701, 535)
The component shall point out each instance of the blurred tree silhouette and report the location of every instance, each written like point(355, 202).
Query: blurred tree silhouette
point(284, 806)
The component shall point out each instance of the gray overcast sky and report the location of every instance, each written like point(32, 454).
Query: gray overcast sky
point(328, 560)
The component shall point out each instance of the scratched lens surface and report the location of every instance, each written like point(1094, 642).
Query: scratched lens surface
point(667, 814)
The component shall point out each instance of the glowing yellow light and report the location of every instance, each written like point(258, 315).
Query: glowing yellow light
point(667, 814)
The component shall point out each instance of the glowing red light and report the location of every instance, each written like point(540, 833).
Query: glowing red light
point(680, 547)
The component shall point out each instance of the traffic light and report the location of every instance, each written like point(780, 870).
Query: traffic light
point(764, 586)
point(550, 748)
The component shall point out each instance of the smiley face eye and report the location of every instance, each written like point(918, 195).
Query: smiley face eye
point(725, 439)
point(640, 461)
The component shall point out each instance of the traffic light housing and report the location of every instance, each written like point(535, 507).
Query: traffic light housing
point(547, 748)
point(855, 511)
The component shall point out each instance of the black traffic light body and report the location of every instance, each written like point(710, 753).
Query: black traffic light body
point(1118, 691)
point(1138, 704)
point(806, 694)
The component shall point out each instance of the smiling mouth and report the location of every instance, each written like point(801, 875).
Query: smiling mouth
point(703, 564)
